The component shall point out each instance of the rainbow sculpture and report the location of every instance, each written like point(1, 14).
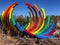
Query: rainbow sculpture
point(37, 25)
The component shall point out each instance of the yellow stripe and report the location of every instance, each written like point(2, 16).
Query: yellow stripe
point(28, 26)
point(28, 23)
point(10, 14)
point(43, 11)
point(2, 13)
point(31, 23)
point(2, 18)
point(39, 28)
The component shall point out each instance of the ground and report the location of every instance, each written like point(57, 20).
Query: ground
point(10, 40)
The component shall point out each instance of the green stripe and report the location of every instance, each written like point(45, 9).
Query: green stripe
point(13, 20)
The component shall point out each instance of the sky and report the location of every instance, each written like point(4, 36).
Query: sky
point(52, 7)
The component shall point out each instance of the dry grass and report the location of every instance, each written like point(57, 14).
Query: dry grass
point(25, 40)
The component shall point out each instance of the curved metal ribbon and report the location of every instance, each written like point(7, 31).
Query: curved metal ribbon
point(35, 27)
point(6, 15)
